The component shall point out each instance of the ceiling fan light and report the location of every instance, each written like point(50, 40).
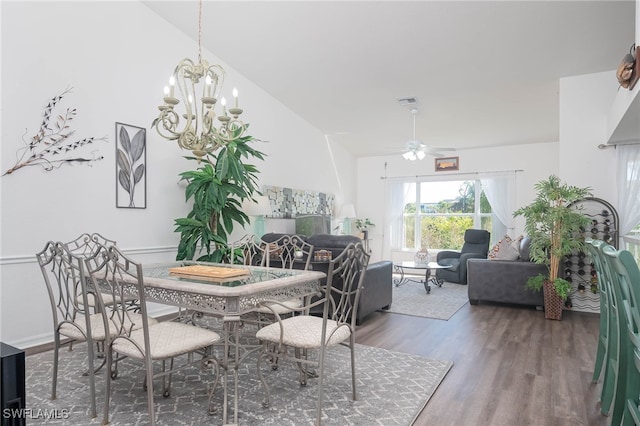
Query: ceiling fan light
point(420, 155)
point(407, 155)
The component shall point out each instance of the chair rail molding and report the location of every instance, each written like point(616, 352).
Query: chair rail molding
point(29, 258)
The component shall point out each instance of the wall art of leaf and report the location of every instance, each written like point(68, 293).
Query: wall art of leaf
point(129, 154)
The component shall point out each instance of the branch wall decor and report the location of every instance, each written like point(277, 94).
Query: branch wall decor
point(131, 164)
point(52, 146)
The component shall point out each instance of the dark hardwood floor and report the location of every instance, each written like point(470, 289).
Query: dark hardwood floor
point(511, 366)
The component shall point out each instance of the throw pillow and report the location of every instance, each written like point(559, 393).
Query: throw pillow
point(504, 250)
point(516, 244)
point(524, 249)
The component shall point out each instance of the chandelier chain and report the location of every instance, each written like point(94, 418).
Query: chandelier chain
point(200, 31)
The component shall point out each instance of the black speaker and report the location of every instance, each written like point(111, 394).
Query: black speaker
point(12, 387)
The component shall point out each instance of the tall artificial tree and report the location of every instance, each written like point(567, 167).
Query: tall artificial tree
point(221, 181)
point(554, 231)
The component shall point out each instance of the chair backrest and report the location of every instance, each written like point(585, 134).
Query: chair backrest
point(344, 283)
point(626, 276)
point(476, 241)
point(248, 251)
point(64, 277)
point(594, 249)
point(111, 272)
point(86, 244)
point(289, 252)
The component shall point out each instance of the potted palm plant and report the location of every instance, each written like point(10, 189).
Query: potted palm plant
point(554, 231)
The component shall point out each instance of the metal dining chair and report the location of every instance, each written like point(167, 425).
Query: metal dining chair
point(113, 273)
point(626, 276)
point(293, 337)
point(285, 252)
point(65, 278)
point(63, 275)
point(84, 246)
point(611, 322)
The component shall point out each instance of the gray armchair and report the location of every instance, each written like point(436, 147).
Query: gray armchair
point(476, 246)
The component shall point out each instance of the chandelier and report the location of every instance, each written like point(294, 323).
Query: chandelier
point(190, 118)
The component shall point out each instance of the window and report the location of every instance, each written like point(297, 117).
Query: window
point(628, 183)
point(436, 213)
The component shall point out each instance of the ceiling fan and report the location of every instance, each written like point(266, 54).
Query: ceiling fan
point(417, 150)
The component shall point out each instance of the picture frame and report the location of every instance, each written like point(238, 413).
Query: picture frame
point(131, 166)
point(446, 164)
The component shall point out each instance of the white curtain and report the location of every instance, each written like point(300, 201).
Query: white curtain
point(396, 194)
point(500, 192)
point(628, 181)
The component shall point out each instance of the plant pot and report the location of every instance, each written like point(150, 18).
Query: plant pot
point(553, 303)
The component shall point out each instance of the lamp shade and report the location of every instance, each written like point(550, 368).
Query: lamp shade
point(347, 211)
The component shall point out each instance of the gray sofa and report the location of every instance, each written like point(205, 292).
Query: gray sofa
point(377, 287)
point(504, 281)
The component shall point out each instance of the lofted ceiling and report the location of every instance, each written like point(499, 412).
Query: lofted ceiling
point(483, 73)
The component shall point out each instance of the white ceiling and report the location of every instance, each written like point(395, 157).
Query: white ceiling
point(484, 73)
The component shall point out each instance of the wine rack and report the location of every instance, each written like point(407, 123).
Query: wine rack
point(578, 268)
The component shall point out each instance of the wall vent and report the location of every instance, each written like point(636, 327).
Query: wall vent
point(408, 101)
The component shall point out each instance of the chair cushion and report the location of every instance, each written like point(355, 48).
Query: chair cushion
point(304, 331)
point(450, 261)
point(279, 308)
point(97, 326)
point(168, 339)
point(107, 299)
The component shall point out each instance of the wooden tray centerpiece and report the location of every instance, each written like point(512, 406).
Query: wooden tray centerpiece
point(208, 273)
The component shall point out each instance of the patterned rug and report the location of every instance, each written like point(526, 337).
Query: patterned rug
point(412, 299)
point(392, 390)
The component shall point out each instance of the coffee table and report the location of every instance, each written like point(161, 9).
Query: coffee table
point(403, 267)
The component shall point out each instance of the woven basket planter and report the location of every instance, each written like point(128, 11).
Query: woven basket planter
point(553, 304)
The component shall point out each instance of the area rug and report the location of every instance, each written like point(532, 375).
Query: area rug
point(412, 299)
point(392, 390)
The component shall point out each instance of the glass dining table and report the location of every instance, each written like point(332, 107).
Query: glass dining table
point(228, 299)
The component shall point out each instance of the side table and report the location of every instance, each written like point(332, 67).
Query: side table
point(12, 388)
point(403, 267)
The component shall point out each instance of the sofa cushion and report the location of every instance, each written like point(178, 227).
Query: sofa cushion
point(333, 243)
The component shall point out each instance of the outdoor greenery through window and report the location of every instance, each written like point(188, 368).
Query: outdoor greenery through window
point(436, 214)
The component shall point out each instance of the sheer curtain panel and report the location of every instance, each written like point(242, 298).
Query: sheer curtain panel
point(500, 192)
point(628, 181)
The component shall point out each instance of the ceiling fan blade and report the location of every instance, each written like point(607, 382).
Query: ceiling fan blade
point(438, 151)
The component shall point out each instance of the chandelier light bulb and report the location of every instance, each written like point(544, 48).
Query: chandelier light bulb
point(166, 90)
point(235, 95)
point(207, 88)
point(223, 102)
point(172, 85)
